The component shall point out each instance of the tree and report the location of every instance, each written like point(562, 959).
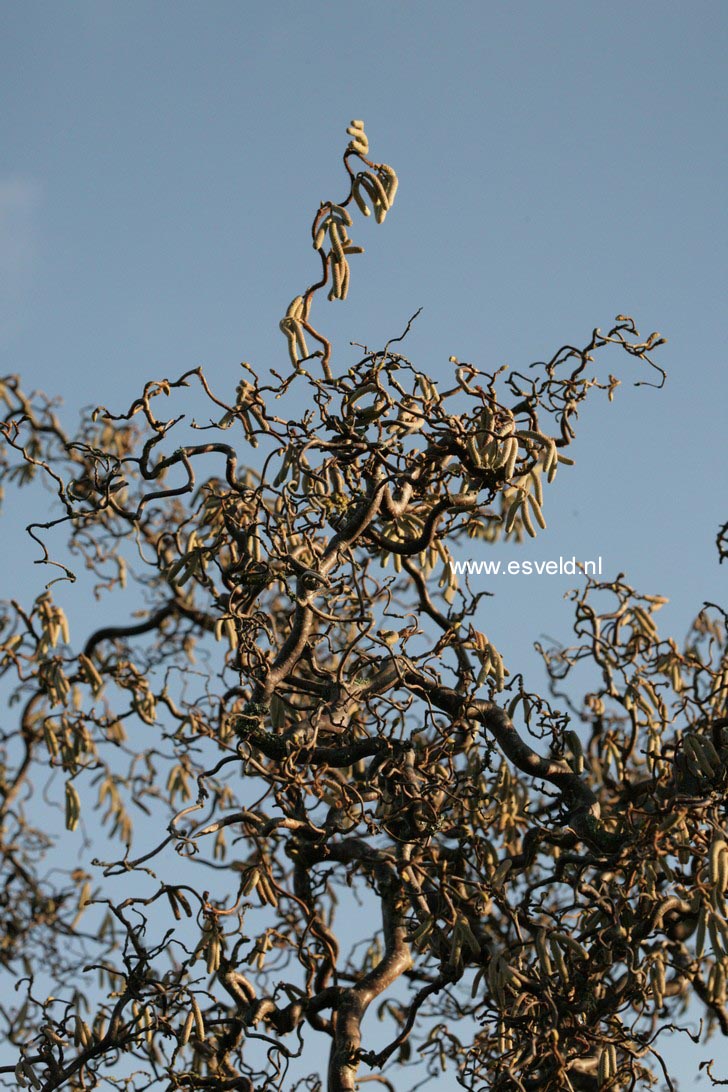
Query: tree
point(296, 697)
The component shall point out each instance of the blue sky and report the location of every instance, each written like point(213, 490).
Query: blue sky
point(559, 163)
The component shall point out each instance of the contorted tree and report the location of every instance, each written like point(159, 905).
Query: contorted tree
point(292, 692)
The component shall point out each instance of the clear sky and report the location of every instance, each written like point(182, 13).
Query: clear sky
point(559, 163)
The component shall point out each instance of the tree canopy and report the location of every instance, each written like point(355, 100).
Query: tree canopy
point(299, 783)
